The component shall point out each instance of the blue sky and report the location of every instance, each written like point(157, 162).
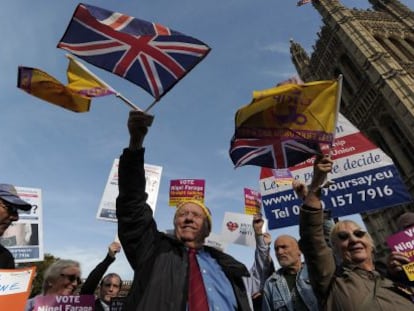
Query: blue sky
point(69, 155)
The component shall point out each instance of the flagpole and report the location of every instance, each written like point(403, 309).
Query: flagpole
point(150, 106)
point(328, 181)
point(117, 94)
point(127, 101)
point(338, 104)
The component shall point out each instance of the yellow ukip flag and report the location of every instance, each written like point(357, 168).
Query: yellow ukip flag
point(75, 96)
point(305, 107)
point(287, 124)
point(40, 84)
point(84, 82)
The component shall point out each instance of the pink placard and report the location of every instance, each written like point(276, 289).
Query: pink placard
point(252, 202)
point(185, 189)
point(403, 241)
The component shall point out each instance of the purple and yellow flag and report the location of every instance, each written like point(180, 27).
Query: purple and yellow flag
point(75, 96)
point(285, 125)
point(83, 82)
point(40, 84)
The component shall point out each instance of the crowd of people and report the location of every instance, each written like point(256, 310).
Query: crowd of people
point(331, 267)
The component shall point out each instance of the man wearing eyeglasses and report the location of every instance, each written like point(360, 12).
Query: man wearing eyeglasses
point(10, 204)
point(355, 284)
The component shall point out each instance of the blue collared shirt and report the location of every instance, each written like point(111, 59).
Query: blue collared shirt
point(220, 293)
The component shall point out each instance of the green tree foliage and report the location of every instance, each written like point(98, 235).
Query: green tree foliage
point(41, 266)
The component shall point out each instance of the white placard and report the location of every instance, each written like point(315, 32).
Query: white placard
point(24, 238)
point(106, 210)
point(238, 229)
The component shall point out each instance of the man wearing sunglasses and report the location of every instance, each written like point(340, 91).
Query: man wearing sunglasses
point(355, 284)
point(10, 204)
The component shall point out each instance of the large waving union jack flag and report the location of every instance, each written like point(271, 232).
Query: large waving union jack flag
point(150, 55)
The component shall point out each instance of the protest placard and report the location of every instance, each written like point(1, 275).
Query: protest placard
point(215, 240)
point(106, 209)
point(238, 229)
point(252, 202)
point(15, 287)
point(185, 189)
point(64, 303)
point(24, 238)
point(403, 242)
point(364, 178)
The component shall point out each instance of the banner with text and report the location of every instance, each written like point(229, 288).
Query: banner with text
point(24, 238)
point(63, 303)
point(403, 242)
point(106, 210)
point(364, 177)
point(185, 189)
point(15, 287)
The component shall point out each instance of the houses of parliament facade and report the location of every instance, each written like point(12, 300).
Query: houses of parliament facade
point(374, 51)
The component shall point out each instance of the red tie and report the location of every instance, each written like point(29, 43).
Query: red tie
point(197, 298)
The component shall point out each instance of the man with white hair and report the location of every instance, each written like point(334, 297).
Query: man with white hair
point(10, 204)
point(171, 272)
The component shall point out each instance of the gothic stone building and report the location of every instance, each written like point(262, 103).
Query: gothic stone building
point(374, 51)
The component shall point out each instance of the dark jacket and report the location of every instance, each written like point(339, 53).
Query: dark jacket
point(159, 261)
point(93, 279)
point(6, 258)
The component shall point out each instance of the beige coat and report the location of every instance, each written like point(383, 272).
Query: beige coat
point(352, 288)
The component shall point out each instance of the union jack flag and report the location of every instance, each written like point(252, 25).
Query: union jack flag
point(150, 55)
point(303, 2)
point(272, 153)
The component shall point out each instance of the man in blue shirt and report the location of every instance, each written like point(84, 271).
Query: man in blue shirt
point(161, 262)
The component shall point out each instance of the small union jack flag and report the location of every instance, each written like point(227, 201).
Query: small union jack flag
point(150, 55)
point(303, 2)
point(272, 153)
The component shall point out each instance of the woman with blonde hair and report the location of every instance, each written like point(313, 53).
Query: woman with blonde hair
point(344, 276)
point(60, 278)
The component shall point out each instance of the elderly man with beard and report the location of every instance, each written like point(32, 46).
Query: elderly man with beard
point(10, 204)
point(355, 284)
point(164, 265)
point(288, 288)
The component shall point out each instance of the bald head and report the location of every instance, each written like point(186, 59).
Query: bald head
point(288, 253)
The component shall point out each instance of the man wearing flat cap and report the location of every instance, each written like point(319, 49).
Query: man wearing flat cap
point(171, 272)
point(10, 203)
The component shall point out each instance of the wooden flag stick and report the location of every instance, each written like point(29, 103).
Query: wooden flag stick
point(117, 94)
